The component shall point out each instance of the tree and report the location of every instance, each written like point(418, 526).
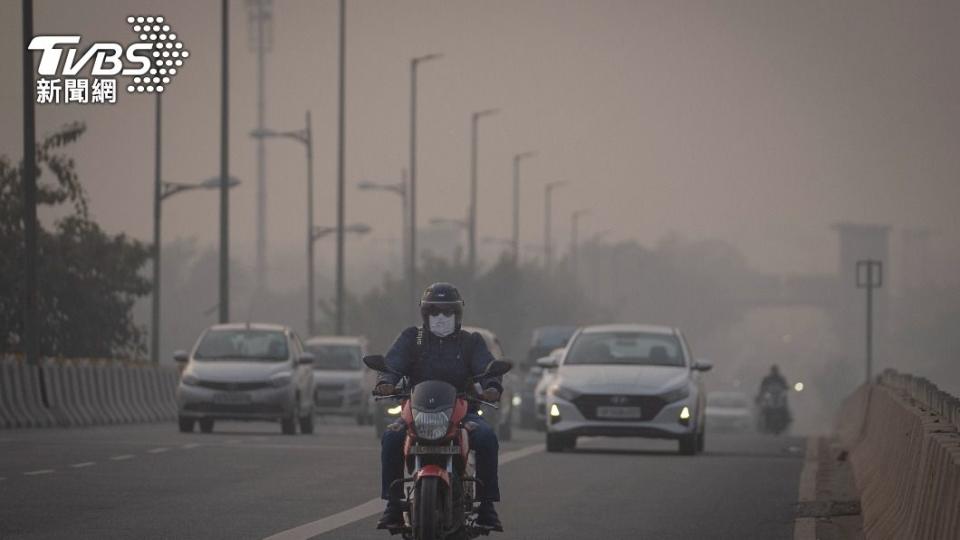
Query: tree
point(89, 280)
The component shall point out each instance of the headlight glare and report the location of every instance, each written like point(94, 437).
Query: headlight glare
point(431, 426)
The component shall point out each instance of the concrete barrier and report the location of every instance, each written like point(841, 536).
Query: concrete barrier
point(7, 413)
point(72, 398)
point(906, 458)
point(56, 394)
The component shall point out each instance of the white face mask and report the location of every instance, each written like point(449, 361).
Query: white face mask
point(442, 325)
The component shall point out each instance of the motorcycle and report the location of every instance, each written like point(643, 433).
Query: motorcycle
point(774, 415)
point(440, 485)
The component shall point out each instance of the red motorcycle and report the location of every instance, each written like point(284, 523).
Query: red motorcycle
point(440, 485)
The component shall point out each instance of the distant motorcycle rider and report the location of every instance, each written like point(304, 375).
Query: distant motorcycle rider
point(440, 350)
point(773, 380)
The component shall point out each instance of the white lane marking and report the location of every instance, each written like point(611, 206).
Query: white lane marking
point(38, 472)
point(805, 528)
point(189, 446)
point(157, 450)
point(122, 457)
point(84, 464)
point(371, 507)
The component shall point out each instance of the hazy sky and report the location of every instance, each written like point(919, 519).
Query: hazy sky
point(759, 122)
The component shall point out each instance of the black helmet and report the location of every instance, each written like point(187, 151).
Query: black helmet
point(441, 297)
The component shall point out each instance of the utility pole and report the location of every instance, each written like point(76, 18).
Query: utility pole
point(260, 14)
point(517, 158)
point(157, 194)
point(412, 273)
point(31, 330)
point(547, 242)
point(224, 305)
point(869, 277)
point(472, 218)
point(340, 165)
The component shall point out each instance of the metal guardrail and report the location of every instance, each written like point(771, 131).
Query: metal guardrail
point(924, 392)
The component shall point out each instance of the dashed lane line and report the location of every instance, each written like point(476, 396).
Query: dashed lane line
point(83, 465)
point(38, 472)
point(122, 457)
point(157, 450)
point(371, 507)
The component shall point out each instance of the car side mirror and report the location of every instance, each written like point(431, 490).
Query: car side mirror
point(497, 368)
point(702, 365)
point(547, 362)
point(306, 359)
point(180, 357)
point(376, 362)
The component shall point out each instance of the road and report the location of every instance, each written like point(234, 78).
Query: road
point(248, 481)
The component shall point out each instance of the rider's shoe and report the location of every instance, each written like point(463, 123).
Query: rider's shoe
point(392, 517)
point(487, 517)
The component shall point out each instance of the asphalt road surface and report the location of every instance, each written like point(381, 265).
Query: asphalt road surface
point(248, 481)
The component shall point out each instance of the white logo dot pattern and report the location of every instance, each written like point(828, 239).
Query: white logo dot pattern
point(167, 52)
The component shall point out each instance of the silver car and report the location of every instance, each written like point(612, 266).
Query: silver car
point(627, 380)
point(342, 383)
point(246, 372)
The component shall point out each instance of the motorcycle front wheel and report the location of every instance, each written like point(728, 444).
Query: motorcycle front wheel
point(428, 509)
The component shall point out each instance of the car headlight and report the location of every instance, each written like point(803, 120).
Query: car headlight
point(395, 410)
point(676, 394)
point(517, 400)
point(431, 426)
point(563, 392)
point(280, 380)
point(190, 380)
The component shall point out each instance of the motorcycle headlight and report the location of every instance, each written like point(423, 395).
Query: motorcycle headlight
point(563, 392)
point(190, 380)
point(280, 380)
point(676, 394)
point(431, 426)
point(395, 410)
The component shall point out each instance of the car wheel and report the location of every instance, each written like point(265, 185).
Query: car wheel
point(687, 445)
point(186, 424)
point(556, 442)
point(206, 425)
point(306, 424)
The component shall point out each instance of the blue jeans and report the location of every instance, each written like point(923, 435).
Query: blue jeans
point(482, 439)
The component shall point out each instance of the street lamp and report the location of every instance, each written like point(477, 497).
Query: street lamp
point(414, 63)
point(165, 191)
point(517, 158)
point(472, 231)
point(304, 136)
point(574, 234)
point(355, 228)
point(399, 188)
point(547, 243)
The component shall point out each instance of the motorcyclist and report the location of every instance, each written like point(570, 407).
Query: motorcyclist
point(440, 350)
point(772, 381)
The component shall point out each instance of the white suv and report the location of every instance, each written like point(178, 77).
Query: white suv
point(626, 380)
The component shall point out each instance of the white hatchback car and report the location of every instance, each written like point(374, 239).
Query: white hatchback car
point(626, 380)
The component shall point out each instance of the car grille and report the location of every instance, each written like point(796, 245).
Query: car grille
point(650, 406)
point(233, 386)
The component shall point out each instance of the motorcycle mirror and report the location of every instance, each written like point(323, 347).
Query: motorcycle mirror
point(375, 362)
point(497, 368)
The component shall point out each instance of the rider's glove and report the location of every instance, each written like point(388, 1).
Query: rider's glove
point(384, 389)
point(491, 394)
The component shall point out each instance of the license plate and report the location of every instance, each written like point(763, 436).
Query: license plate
point(443, 450)
point(231, 398)
point(619, 413)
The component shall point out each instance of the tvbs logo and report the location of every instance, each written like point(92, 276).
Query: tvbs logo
point(152, 62)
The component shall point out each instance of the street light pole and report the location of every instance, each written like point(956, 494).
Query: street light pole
point(31, 330)
point(311, 298)
point(517, 158)
point(399, 189)
point(547, 243)
point(869, 277)
point(224, 305)
point(472, 219)
point(341, 141)
point(412, 275)
point(157, 193)
point(574, 240)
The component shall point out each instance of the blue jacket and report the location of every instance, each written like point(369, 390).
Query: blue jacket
point(444, 359)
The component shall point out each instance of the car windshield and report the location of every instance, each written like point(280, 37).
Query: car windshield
point(335, 356)
point(731, 401)
point(268, 345)
point(633, 348)
point(551, 337)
